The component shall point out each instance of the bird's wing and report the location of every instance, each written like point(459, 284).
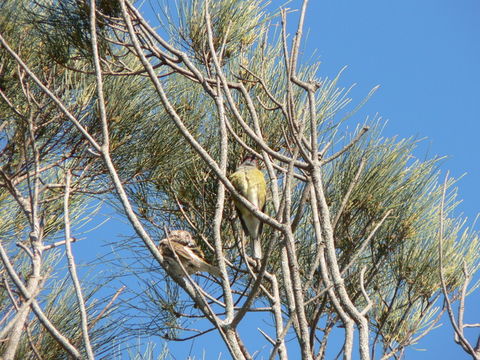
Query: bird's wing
point(239, 211)
point(190, 255)
point(201, 264)
point(168, 247)
point(257, 179)
point(260, 227)
point(249, 182)
point(239, 181)
point(197, 251)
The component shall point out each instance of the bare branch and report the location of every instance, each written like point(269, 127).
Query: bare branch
point(460, 338)
point(347, 147)
point(365, 243)
point(50, 94)
point(364, 292)
point(297, 38)
point(73, 268)
point(348, 193)
point(59, 243)
point(112, 300)
point(223, 139)
point(36, 308)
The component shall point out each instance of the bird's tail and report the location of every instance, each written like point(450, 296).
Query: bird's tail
point(256, 248)
point(215, 271)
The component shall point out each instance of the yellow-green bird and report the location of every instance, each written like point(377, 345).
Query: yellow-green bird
point(250, 182)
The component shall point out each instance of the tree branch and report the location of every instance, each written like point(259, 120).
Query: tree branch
point(73, 269)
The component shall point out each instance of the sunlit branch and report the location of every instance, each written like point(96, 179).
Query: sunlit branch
point(460, 338)
point(73, 268)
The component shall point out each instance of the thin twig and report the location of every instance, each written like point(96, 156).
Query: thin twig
point(57, 101)
point(112, 300)
point(26, 249)
point(30, 340)
point(348, 193)
point(220, 204)
point(329, 284)
point(348, 146)
point(59, 243)
point(73, 268)
point(461, 340)
point(279, 343)
point(265, 335)
point(365, 243)
point(364, 292)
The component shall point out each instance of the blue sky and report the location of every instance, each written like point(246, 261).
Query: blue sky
point(425, 55)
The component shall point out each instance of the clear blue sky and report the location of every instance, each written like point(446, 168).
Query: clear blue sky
point(425, 55)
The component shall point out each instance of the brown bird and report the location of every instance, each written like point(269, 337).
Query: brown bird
point(181, 244)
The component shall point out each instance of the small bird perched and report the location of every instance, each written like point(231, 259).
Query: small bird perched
point(181, 244)
point(250, 182)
